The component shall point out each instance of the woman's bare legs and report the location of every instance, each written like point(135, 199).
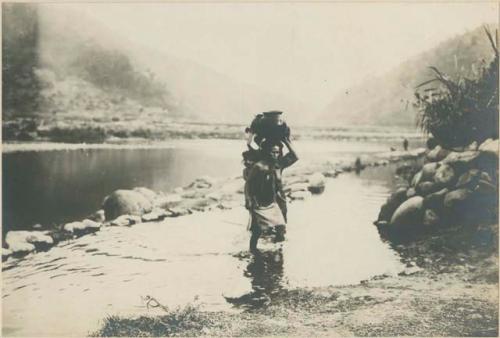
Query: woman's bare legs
point(256, 232)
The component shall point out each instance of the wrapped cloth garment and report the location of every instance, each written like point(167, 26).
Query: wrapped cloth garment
point(266, 218)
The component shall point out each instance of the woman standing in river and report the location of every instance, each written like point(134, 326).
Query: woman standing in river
point(264, 188)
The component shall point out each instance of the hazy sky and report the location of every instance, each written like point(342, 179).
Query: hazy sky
point(309, 50)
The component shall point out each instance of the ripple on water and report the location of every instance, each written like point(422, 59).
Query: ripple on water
point(330, 241)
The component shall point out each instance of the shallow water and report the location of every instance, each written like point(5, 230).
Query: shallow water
point(330, 241)
point(56, 186)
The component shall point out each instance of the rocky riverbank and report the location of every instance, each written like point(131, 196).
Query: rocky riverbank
point(453, 189)
point(129, 207)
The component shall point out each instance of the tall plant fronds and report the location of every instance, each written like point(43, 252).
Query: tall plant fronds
point(458, 112)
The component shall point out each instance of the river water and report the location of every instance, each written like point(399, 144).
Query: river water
point(63, 185)
point(202, 257)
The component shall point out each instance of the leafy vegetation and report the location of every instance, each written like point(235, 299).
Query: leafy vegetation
point(111, 70)
point(20, 39)
point(80, 77)
point(387, 99)
point(459, 111)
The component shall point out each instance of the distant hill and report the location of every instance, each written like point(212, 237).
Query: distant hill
point(57, 61)
point(387, 99)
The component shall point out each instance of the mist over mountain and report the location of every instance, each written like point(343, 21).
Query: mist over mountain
point(59, 63)
point(387, 99)
point(66, 63)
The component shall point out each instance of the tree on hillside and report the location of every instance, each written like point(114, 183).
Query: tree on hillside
point(20, 39)
point(112, 70)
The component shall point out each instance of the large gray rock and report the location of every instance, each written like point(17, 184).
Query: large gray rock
point(457, 199)
point(149, 194)
point(300, 195)
point(122, 202)
point(316, 183)
point(435, 200)
point(22, 242)
point(426, 188)
point(469, 179)
point(437, 154)
point(445, 175)
point(83, 227)
point(429, 170)
point(489, 146)
point(392, 203)
point(168, 200)
point(462, 159)
point(409, 213)
point(6, 253)
point(296, 187)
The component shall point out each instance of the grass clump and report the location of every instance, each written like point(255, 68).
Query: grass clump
point(183, 321)
point(460, 111)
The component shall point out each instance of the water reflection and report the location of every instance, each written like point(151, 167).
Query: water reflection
point(265, 271)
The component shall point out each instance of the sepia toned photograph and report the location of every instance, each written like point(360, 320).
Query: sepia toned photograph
point(250, 169)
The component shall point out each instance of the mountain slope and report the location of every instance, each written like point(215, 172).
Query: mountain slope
point(69, 50)
point(388, 99)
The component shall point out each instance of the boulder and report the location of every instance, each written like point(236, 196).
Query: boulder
point(296, 179)
point(431, 218)
point(204, 182)
point(214, 195)
point(473, 146)
point(300, 195)
point(155, 215)
point(426, 188)
point(331, 173)
point(194, 194)
point(6, 253)
point(435, 200)
point(98, 216)
point(91, 226)
point(456, 199)
point(123, 202)
point(297, 187)
point(179, 211)
point(469, 179)
point(83, 227)
point(149, 194)
point(22, 242)
point(437, 154)
point(392, 203)
point(168, 200)
point(464, 159)
point(126, 220)
point(316, 183)
point(70, 227)
point(429, 170)
point(409, 213)
point(489, 146)
point(445, 175)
